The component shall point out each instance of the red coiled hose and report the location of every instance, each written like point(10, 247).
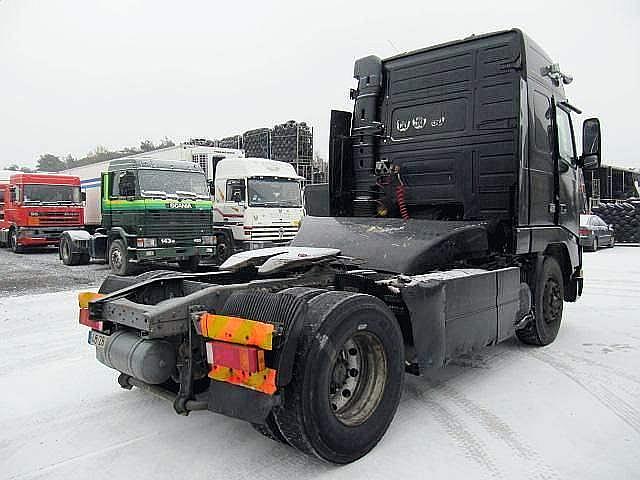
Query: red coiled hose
point(404, 213)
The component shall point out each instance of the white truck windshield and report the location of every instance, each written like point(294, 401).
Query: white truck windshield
point(274, 192)
point(172, 183)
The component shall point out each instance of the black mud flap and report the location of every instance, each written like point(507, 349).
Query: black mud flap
point(240, 402)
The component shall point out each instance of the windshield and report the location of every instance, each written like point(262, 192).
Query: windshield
point(274, 192)
point(172, 183)
point(51, 194)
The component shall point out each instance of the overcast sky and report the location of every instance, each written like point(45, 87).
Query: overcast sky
point(75, 74)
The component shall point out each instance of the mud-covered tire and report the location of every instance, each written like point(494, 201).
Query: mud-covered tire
point(309, 418)
point(270, 428)
point(548, 292)
point(119, 260)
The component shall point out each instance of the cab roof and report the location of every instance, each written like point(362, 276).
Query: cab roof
point(44, 179)
point(130, 163)
point(254, 167)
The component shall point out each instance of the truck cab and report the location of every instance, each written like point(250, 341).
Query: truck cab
point(151, 210)
point(260, 200)
point(36, 208)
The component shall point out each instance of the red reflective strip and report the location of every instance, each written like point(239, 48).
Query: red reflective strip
point(238, 357)
point(87, 322)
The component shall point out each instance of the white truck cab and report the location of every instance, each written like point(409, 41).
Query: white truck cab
point(259, 199)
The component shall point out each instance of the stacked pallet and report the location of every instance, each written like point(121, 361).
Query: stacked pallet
point(234, 141)
point(625, 218)
point(257, 143)
point(292, 142)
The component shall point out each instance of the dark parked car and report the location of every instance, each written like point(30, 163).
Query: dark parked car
point(594, 233)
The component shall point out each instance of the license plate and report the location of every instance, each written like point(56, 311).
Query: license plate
point(97, 339)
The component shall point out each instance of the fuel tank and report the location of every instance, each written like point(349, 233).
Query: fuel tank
point(152, 361)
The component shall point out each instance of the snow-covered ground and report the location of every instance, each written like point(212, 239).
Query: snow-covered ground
point(571, 410)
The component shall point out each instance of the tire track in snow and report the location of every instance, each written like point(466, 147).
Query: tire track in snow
point(611, 401)
point(52, 467)
point(496, 426)
point(594, 363)
point(472, 446)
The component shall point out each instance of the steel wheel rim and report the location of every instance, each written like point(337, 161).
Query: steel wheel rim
point(357, 380)
point(116, 258)
point(552, 301)
point(222, 251)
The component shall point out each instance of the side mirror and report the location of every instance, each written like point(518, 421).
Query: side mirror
point(591, 148)
point(212, 187)
point(83, 196)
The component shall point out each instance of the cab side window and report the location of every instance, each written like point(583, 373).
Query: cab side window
point(565, 137)
point(122, 184)
point(542, 114)
point(236, 191)
point(114, 189)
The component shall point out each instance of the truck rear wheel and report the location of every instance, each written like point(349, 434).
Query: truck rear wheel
point(548, 294)
point(347, 378)
point(119, 259)
point(68, 257)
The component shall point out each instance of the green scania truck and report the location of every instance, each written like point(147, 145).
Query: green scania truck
point(140, 211)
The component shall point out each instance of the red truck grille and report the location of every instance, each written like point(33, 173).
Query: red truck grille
point(54, 219)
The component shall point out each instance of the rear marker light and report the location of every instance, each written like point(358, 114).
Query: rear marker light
point(83, 302)
point(237, 330)
point(240, 365)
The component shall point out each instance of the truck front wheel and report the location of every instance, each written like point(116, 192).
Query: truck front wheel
point(119, 260)
point(347, 379)
point(548, 291)
point(13, 242)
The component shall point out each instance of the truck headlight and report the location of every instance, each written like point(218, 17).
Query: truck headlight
point(208, 239)
point(146, 242)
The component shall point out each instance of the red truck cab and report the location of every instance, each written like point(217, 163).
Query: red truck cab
point(36, 208)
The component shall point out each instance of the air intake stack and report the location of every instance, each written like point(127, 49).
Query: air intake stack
point(366, 133)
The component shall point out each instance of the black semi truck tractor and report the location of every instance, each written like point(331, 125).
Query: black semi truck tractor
point(453, 226)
